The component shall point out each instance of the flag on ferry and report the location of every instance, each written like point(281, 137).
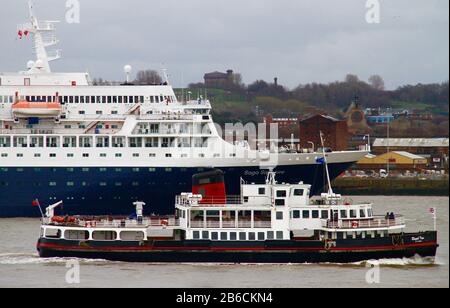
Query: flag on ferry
point(432, 210)
point(20, 34)
point(35, 203)
point(320, 160)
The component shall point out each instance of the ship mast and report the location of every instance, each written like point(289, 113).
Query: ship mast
point(43, 35)
point(330, 188)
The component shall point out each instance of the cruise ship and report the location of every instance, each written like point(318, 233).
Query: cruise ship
point(99, 147)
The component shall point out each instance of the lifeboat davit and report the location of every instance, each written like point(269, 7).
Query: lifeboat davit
point(26, 109)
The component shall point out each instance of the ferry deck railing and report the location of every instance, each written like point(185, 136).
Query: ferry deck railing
point(116, 222)
point(376, 222)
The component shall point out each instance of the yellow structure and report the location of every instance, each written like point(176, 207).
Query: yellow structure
point(396, 160)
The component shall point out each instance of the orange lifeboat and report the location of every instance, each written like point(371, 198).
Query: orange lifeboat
point(36, 109)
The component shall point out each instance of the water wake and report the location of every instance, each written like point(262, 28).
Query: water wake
point(26, 259)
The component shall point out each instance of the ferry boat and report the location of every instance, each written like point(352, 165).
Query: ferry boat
point(101, 147)
point(267, 223)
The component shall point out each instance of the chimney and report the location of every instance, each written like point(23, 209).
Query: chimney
point(275, 81)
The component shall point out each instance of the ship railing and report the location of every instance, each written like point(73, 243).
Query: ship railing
point(375, 222)
point(208, 201)
point(93, 222)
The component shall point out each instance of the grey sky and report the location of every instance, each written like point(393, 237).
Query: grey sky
point(299, 41)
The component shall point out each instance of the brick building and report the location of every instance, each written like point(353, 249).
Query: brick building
point(218, 79)
point(335, 132)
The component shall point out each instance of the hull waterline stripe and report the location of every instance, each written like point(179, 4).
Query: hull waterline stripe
point(131, 249)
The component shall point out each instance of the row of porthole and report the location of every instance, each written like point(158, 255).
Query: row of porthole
point(117, 155)
point(84, 184)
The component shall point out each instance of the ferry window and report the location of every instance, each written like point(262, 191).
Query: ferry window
point(81, 112)
point(82, 99)
point(315, 214)
point(196, 235)
point(261, 236)
point(270, 235)
point(52, 155)
point(343, 214)
point(281, 193)
point(152, 99)
point(251, 236)
point(118, 155)
point(109, 99)
point(19, 155)
point(77, 99)
point(85, 155)
point(362, 213)
point(104, 235)
point(132, 235)
point(205, 234)
point(125, 99)
point(141, 99)
point(130, 100)
point(53, 233)
point(352, 213)
point(76, 235)
point(279, 235)
point(261, 191)
point(223, 236)
point(305, 214)
point(37, 155)
point(242, 236)
point(325, 214)
point(70, 99)
point(214, 236)
point(233, 236)
point(70, 155)
point(296, 214)
point(279, 202)
point(103, 99)
point(92, 99)
point(279, 215)
point(298, 192)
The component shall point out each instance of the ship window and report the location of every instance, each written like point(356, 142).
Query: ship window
point(261, 236)
point(279, 235)
point(242, 236)
point(118, 155)
point(104, 235)
point(352, 213)
point(296, 214)
point(37, 155)
point(103, 99)
point(19, 155)
point(81, 112)
point(109, 99)
point(130, 99)
point(53, 233)
point(362, 213)
point(214, 236)
point(261, 191)
point(196, 235)
point(85, 155)
point(279, 215)
point(135, 154)
point(279, 202)
point(315, 214)
point(325, 214)
point(70, 155)
point(223, 236)
point(281, 193)
point(152, 99)
point(305, 214)
point(251, 236)
point(299, 192)
point(52, 155)
point(233, 236)
point(343, 214)
point(132, 235)
point(102, 154)
point(205, 234)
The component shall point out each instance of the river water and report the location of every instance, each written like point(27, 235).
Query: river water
point(20, 266)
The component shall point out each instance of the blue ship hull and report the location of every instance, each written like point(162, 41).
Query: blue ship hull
point(111, 191)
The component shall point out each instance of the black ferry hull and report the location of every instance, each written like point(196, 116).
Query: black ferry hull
point(302, 251)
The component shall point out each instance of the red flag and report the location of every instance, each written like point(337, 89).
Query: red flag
point(20, 33)
point(35, 203)
point(432, 210)
point(25, 33)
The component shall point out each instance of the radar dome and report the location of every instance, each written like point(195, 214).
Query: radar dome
point(127, 69)
point(39, 64)
point(30, 64)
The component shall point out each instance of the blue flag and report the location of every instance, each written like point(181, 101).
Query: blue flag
point(320, 160)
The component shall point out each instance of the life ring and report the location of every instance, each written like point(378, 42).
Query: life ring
point(164, 222)
point(355, 224)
